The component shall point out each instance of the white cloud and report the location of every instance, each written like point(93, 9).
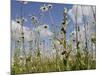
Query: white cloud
point(16, 31)
point(80, 11)
point(76, 10)
point(81, 36)
point(29, 34)
point(86, 12)
point(44, 32)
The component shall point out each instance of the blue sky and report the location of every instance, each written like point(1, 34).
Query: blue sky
point(34, 8)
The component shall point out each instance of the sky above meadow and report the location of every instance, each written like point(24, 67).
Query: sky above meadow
point(33, 8)
point(26, 10)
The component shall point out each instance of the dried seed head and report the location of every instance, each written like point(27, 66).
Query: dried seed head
point(64, 52)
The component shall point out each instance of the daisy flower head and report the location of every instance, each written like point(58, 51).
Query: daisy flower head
point(44, 8)
point(20, 21)
point(34, 19)
point(45, 26)
point(24, 2)
point(50, 6)
point(72, 33)
point(24, 19)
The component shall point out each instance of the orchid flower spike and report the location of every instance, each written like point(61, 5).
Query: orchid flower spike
point(65, 10)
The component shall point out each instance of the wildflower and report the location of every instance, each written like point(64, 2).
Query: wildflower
point(24, 19)
point(45, 26)
point(63, 30)
point(34, 19)
point(44, 8)
point(18, 41)
point(44, 31)
point(63, 22)
point(72, 33)
point(49, 6)
point(24, 2)
point(20, 21)
point(65, 10)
